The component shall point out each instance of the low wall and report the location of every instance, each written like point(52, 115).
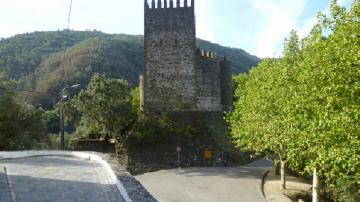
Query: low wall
point(94, 145)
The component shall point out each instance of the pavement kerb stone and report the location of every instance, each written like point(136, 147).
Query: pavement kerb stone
point(6, 194)
point(10, 185)
point(84, 155)
point(262, 182)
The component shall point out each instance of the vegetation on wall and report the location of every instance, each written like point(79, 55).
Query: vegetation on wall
point(304, 107)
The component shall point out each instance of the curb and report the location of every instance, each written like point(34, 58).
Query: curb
point(262, 182)
point(83, 155)
point(6, 189)
point(10, 185)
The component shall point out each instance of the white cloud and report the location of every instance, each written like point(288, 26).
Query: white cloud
point(202, 10)
point(19, 16)
point(344, 2)
point(306, 28)
point(281, 17)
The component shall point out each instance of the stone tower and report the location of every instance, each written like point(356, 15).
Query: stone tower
point(178, 77)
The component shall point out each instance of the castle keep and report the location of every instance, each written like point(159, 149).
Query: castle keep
point(178, 77)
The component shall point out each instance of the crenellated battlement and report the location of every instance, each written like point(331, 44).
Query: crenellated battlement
point(161, 4)
point(211, 55)
point(207, 54)
point(169, 15)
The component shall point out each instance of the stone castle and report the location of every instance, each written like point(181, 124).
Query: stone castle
point(178, 77)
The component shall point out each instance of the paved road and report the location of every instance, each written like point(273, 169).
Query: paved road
point(62, 179)
point(207, 184)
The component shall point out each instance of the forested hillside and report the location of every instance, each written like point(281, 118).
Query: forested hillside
point(38, 60)
point(21, 54)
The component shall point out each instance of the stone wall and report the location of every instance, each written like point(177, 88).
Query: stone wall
point(178, 77)
point(94, 145)
point(208, 82)
point(170, 45)
point(226, 85)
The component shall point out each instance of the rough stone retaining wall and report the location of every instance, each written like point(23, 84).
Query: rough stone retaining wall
point(128, 186)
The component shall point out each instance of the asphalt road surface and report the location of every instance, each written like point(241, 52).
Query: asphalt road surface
point(220, 184)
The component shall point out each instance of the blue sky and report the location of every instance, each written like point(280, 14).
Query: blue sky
point(257, 26)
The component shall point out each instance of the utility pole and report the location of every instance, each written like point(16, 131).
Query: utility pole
point(62, 128)
point(62, 131)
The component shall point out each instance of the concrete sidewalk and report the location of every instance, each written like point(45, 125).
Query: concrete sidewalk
point(296, 189)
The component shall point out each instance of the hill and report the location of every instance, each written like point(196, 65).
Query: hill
point(44, 61)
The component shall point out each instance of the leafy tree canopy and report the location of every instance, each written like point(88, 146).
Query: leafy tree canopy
point(106, 108)
point(21, 126)
point(305, 106)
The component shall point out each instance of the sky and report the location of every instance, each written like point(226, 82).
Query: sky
point(256, 26)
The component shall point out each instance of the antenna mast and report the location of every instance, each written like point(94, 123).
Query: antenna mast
point(69, 16)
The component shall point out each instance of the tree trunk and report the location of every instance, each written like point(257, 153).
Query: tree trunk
point(316, 189)
point(122, 154)
point(277, 167)
point(283, 175)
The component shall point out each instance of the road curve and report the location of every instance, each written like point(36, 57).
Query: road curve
point(214, 184)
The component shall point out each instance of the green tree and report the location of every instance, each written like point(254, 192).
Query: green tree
point(52, 120)
point(259, 121)
point(21, 125)
point(239, 82)
point(304, 107)
point(106, 108)
point(327, 104)
point(8, 112)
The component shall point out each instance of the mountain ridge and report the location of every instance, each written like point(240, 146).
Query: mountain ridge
point(36, 60)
